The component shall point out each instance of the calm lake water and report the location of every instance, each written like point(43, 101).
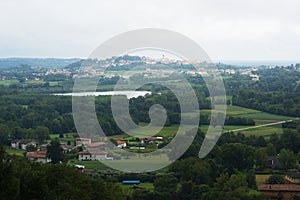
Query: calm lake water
point(129, 94)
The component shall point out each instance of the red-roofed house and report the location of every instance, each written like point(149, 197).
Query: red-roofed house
point(83, 141)
point(92, 155)
point(280, 191)
point(38, 156)
point(121, 144)
point(96, 144)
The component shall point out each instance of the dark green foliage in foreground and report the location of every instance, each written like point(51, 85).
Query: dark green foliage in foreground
point(276, 179)
point(20, 179)
point(55, 152)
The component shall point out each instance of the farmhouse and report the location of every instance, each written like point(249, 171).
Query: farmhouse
point(280, 191)
point(83, 141)
point(92, 155)
point(22, 144)
point(148, 140)
point(15, 144)
point(273, 162)
point(67, 148)
point(293, 177)
point(121, 144)
point(38, 156)
point(43, 147)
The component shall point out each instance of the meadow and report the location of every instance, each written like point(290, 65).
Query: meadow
point(8, 82)
point(17, 152)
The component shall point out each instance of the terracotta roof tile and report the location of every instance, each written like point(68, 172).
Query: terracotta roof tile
point(279, 187)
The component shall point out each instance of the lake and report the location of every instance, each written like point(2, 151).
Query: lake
point(129, 93)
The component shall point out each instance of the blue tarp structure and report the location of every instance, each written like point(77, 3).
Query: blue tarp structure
point(131, 181)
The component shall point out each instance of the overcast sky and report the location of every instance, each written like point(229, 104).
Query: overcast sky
point(227, 30)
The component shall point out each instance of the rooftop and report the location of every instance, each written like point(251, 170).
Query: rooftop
point(92, 152)
point(83, 139)
point(279, 187)
point(96, 144)
point(293, 174)
point(36, 154)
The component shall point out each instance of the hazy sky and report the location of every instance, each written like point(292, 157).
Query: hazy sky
point(226, 29)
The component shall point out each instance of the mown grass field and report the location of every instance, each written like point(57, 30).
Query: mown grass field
point(166, 131)
point(266, 131)
point(261, 178)
point(8, 82)
point(17, 152)
point(90, 164)
point(233, 110)
point(155, 162)
point(32, 82)
point(264, 116)
point(237, 111)
point(127, 189)
point(148, 186)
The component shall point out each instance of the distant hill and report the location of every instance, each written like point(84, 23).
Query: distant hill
point(40, 62)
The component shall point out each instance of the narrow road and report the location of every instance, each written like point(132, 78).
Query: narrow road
point(259, 126)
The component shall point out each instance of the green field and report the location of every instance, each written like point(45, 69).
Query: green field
point(33, 82)
point(53, 83)
point(233, 110)
point(265, 116)
point(263, 131)
point(155, 162)
point(53, 136)
point(127, 189)
point(166, 131)
point(236, 111)
point(261, 178)
point(17, 152)
point(90, 164)
point(8, 82)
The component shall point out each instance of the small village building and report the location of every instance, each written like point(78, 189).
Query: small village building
point(121, 144)
point(43, 147)
point(273, 162)
point(15, 144)
point(92, 155)
point(80, 167)
point(293, 177)
point(38, 156)
point(148, 140)
point(22, 144)
point(83, 141)
point(280, 191)
point(67, 148)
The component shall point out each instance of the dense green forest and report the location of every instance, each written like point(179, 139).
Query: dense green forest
point(20, 179)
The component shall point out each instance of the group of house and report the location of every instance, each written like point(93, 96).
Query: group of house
point(141, 143)
point(40, 155)
point(86, 148)
point(22, 144)
point(96, 150)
